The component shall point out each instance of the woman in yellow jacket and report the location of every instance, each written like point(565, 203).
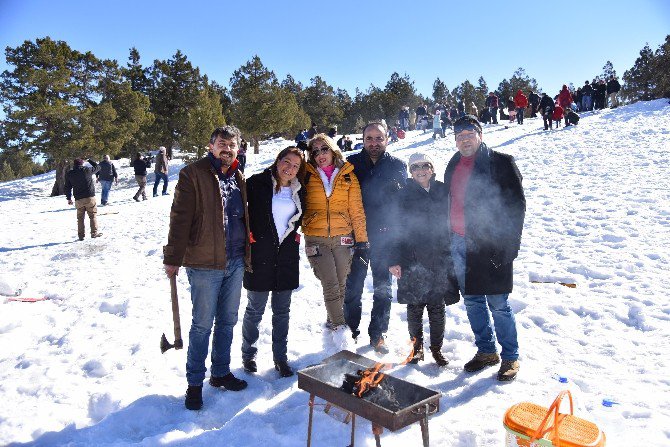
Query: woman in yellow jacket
point(333, 225)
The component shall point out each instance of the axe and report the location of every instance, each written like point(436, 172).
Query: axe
point(178, 342)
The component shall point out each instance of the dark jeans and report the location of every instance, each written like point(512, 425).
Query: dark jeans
point(242, 159)
point(159, 176)
point(435, 319)
point(493, 111)
point(548, 121)
point(281, 306)
point(533, 110)
point(519, 115)
point(381, 298)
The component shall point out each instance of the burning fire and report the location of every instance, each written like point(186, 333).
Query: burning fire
point(371, 377)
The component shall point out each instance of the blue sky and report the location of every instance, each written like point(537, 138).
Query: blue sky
point(356, 43)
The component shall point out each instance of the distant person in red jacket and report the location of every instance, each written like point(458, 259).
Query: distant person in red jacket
point(557, 115)
point(565, 99)
point(521, 102)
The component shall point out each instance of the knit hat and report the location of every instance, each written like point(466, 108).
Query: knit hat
point(420, 158)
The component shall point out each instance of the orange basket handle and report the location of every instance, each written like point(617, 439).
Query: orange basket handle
point(555, 406)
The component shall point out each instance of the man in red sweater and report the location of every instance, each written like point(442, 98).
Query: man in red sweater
point(521, 102)
point(486, 214)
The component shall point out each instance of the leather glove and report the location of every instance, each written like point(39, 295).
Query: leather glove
point(361, 250)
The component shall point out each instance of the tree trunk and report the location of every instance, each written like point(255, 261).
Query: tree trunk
point(62, 167)
point(255, 143)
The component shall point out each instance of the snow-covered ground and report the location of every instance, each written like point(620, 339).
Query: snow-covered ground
point(84, 367)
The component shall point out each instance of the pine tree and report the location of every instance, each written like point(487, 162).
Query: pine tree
point(398, 92)
point(6, 172)
point(608, 71)
point(203, 117)
point(61, 104)
point(662, 69)
point(639, 79)
point(440, 91)
point(260, 106)
point(320, 103)
point(481, 92)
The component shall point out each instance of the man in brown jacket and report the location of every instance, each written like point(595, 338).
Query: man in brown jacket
point(161, 171)
point(209, 236)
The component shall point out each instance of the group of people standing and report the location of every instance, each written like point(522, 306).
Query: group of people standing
point(439, 239)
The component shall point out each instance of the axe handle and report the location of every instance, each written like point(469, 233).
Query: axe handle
point(175, 312)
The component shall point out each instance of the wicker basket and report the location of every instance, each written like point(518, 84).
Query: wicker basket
point(531, 425)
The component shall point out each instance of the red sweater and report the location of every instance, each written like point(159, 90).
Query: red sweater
point(459, 181)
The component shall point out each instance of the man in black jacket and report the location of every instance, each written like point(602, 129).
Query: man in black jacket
point(486, 213)
point(381, 176)
point(79, 181)
point(613, 88)
point(547, 110)
point(106, 175)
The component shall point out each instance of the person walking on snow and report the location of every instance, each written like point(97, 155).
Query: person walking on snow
point(521, 102)
point(209, 236)
point(79, 181)
point(106, 175)
point(140, 166)
point(161, 171)
point(486, 214)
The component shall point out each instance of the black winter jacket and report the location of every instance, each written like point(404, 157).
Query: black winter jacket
point(546, 105)
point(379, 183)
point(421, 246)
point(79, 181)
point(495, 208)
point(140, 166)
point(107, 171)
point(613, 86)
point(274, 265)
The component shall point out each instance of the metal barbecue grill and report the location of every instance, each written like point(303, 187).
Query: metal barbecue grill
point(394, 404)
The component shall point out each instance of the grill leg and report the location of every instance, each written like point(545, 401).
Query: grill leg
point(424, 429)
point(377, 430)
point(311, 415)
point(353, 429)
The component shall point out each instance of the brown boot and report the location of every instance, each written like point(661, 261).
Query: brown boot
point(508, 370)
point(481, 360)
point(417, 351)
point(438, 356)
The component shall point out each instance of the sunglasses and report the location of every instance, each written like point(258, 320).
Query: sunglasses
point(422, 167)
point(460, 127)
point(318, 151)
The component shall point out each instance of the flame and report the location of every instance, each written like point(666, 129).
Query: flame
point(371, 377)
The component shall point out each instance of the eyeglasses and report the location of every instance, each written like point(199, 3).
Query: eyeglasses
point(420, 167)
point(320, 150)
point(465, 136)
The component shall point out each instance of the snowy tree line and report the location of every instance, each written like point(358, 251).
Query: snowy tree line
point(60, 103)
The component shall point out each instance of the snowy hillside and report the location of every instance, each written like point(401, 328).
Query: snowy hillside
point(84, 367)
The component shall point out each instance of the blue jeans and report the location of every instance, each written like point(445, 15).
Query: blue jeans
point(478, 312)
point(215, 295)
point(519, 115)
point(281, 306)
point(586, 103)
point(381, 297)
point(159, 176)
point(106, 186)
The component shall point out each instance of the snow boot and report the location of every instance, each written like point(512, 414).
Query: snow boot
point(417, 351)
point(229, 382)
point(438, 356)
point(284, 369)
point(249, 365)
point(193, 399)
point(508, 370)
point(481, 360)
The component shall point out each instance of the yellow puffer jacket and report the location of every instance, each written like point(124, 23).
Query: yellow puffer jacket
point(338, 214)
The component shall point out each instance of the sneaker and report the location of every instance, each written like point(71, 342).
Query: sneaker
point(166, 193)
point(508, 370)
point(284, 369)
point(137, 199)
point(229, 382)
point(379, 346)
point(249, 365)
point(481, 360)
point(438, 356)
point(96, 235)
point(193, 399)
point(155, 195)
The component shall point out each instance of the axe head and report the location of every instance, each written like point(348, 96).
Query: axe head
point(165, 344)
